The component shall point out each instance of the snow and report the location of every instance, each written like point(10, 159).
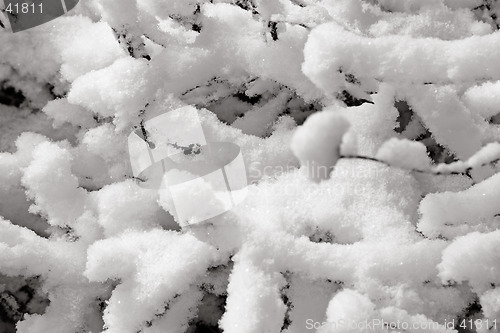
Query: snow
point(310, 301)
point(456, 213)
point(483, 99)
point(398, 59)
point(436, 21)
point(23, 252)
point(112, 91)
point(179, 315)
point(490, 304)
point(473, 258)
point(62, 112)
point(351, 311)
point(76, 35)
point(349, 304)
point(125, 205)
point(61, 205)
point(15, 122)
point(317, 143)
point(367, 132)
point(258, 120)
point(412, 5)
point(153, 267)
point(404, 154)
point(276, 60)
point(488, 154)
point(101, 145)
point(447, 118)
point(254, 295)
point(64, 314)
point(372, 124)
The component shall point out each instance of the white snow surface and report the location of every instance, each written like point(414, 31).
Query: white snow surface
point(368, 131)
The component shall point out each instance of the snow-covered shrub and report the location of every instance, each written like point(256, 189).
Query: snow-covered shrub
point(369, 131)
